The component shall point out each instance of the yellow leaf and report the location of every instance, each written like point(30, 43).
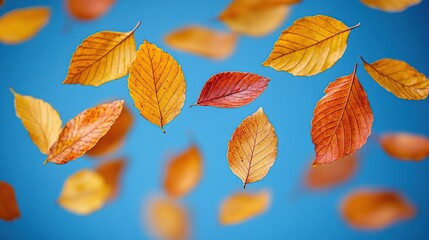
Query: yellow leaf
point(202, 41)
point(82, 132)
point(84, 192)
point(102, 57)
point(243, 206)
point(39, 118)
point(399, 78)
point(157, 85)
point(390, 5)
point(252, 149)
point(183, 172)
point(310, 46)
point(20, 25)
point(112, 172)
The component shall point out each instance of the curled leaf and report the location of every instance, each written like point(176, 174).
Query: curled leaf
point(8, 205)
point(405, 146)
point(111, 171)
point(390, 5)
point(86, 10)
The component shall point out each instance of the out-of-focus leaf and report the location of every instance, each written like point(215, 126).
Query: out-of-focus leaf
point(310, 46)
point(405, 146)
point(232, 89)
point(375, 209)
point(8, 205)
point(399, 78)
point(390, 5)
point(342, 120)
point(1, 3)
point(82, 132)
point(157, 85)
point(243, 206)
point(102, 57)
point(84, 192)
point(86, 10)
point(202, 41)
point(112, 171)
point(20, 25)
point(252, 149)
point(42, 122)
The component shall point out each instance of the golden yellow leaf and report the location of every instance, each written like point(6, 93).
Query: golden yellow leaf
point(157, 85)
point(390, 5)
point(183, 172)
point(243, 206)
point(42, 122)
point(22, 24)
point(84, 192)
point(405, 146)
point(399, 78)
point(202, 41)
point(82, 132)
point(310, 46)
point(252, 149)
point(102, 57)
point(112, 172)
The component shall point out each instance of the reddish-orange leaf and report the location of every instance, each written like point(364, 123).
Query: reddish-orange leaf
point(8, 206)
point(232, 89)
point(112, 172)
point(374, 209)
point(405, 146)
point(342, 120)
point(88, 9)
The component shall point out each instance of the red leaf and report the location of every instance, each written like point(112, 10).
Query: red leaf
point(8, 206)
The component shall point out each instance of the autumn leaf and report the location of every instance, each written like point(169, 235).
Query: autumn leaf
point(102, 57)
point(157, 85)
point(405, 146)
point(41, 121)
point(202, 41)
point(84, 192)
point(86, 10)
point(375, 209)
point(310, 46)
point(342, 120)
point(8, 205)
point(243, 206)
point(252, 149)
point(1, 3)
point(82, 132)
point(399, 78)
point(111, 171)
point(183, 172)
point(391, 5)
point(232, 89)
point(22, 24)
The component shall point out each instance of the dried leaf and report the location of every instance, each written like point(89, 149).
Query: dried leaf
point(375, 209)
point(8, 205)
point(157, 85)
point(342, 120)
point(243, 206)
point(82, 132)
point(202, 41)
point(310, 46)
point(399, 78)
point(40, 120)
point(183, 172)
point(252, 149)
point(114, 138)
point(390, 5)
point(86, 10)
point(232, 89)
point(22, 24)
point(84, 192)
point(111, 171)
point(405, 146)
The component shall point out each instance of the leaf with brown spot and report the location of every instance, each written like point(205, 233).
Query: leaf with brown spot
point(112, 171)
point(8, 205)
point(390, 5)
point(86, 10)
point(405, 146)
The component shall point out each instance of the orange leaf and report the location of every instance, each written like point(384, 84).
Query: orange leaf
point(8, 206)
point(112, 172)
point(405, 146)
point(342, 120)
point(86, 10)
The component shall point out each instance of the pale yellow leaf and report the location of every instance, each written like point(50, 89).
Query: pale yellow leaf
point(390, 5)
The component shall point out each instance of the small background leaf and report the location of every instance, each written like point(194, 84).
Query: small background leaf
point(405, 146)
point(86, 10)
point(8, 205)
point(390, 5)
point(112, 171)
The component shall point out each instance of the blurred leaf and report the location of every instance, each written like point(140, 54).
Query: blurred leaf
point(252, 149)
point(1, 3)
point(310, 46)
point(390, 5)
point(405, 146)
point(112, 172)
point(86, 10)
point(22, 24)
point(8, 205)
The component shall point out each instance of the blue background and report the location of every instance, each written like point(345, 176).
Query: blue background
point(39, 66)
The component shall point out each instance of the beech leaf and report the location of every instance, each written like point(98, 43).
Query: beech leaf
point(9, 210)
point(111, 171)
point(86, 10)
point(390, 5)
point(405, 146)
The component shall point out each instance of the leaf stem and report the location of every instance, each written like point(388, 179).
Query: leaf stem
point(355, 26)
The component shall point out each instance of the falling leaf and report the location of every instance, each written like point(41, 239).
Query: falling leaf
point(375, 209)
point(232, 89)
point(202, 41)
point(342, 120)
point(82, 132)
point(243, 206)
point(42, 122)
point(8, 205)
point(84, 192)
point(114, 138)
point(86, 10)
point(183, 172)
point(399, 78)
point(390, 5)
point(252, 149)
point(22, 24)
point(157, 85)
point(111, 171)
point(1, 3)
point(405, 146)
point(310, 46)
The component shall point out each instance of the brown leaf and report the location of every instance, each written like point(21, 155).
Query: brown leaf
point(8, 205)
point(405, 146)
point(112, 171)
point(86, 10)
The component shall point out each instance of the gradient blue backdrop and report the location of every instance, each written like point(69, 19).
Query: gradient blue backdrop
point(39, 66)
